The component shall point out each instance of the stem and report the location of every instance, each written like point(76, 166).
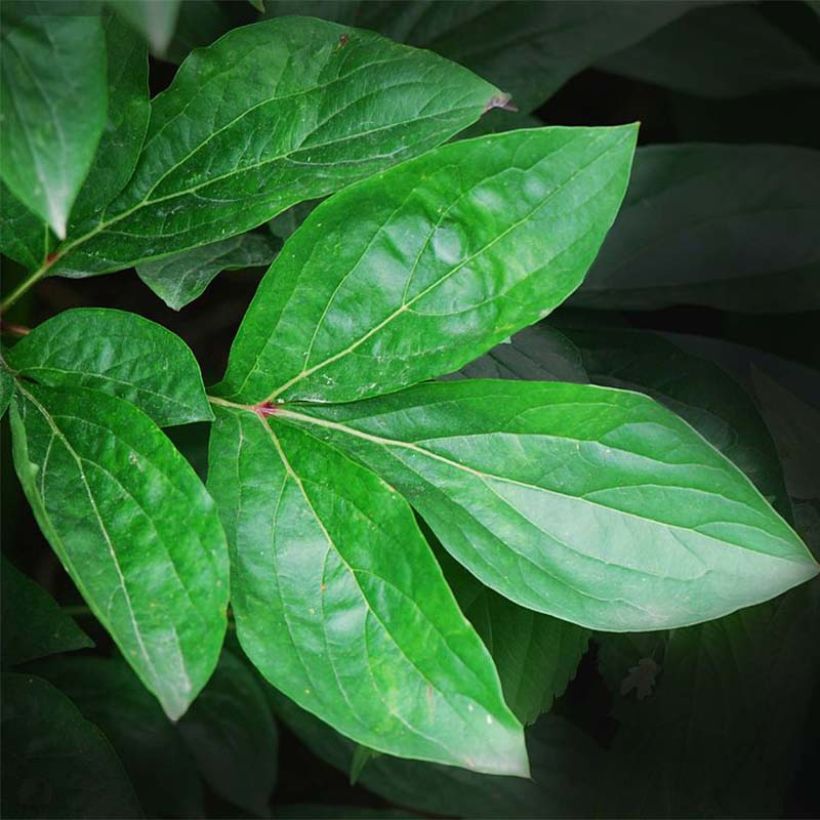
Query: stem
point(14, 330)
point(25, 285)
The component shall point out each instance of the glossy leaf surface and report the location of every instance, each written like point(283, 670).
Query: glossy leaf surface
point(109, 695)
point(55, 763)
point(594, 505)
point(51, 126)
point(231, 734)
point(182, 277)
point(270, 115)
point(413, 273)
point(728, 226)
point(134, 528)
point(341, 605)
point(33, 625)
point(120, 354)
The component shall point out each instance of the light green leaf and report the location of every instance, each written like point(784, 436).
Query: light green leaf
point(53, 106)
point(134, 528)
point(594, 505)
point(120, 354)
point(55, 763)
point(270, 115)
point(155, 20)
point(33, 625)
point(536, 655)
point(182, 277)
point(340, 604)
point(728, 226)
point(722, 51)
point(564, 764)
point(109, 695)
point(415, 272)
point(231, 734)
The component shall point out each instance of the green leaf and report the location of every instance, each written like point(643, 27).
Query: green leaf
point(231, 734)
point(129, 111)
point(33, 625)
point(134, 528)
point(182, 277)
point(340, 604)
point(120, 354)
point(109, 695)
point(155, 20)
point(6, 389)
point(55, 763)
point(718, 52)
point(53, 106)
point(26, 238)
point(728, 226)
point(270, 115)
point(594, 505)
point(564, 764)
point(200, 23)
point(536, 655)
point(417, 271)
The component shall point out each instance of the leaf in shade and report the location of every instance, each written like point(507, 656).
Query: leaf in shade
point(120, 354)
point(55, 763)
point(340, 604)
point(720, 51)
point(536, 655)
point(563, 761)
point(270, 115)
point(24, 237)
point(200, 23)
point(109, 695)
point(51, 126)
point(155, 20)
point(6, 389)
point(594, 505)
point(133, 527)
point(728, 226)
point(231, 734)
point(182, 277)
point(415, 272)
point(33, 625)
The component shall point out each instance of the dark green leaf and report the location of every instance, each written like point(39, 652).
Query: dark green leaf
point(319, 811)
point(595, 505)
point(200, 23)
point(33, 625)
point(120, 354)
point(536, 655)
point(564, 765)
point(108, 694)
point(182, 277)
point(341, 605)
point(729, 226)
point(6, 389)
point(270, 115)
point(134, 528)
point(415, 272)
point(723, 51)
point(55, 763)
point(53, 106)
point(155, 20)
point(231, 734)
point(24, 237)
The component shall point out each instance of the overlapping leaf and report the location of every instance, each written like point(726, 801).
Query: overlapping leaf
point(133, 526)
point(340, 604)
point(413, 273)
point(270, 115)
point(120, 354)
point(594, 505)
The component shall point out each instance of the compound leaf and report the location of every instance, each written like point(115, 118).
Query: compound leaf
point(272, 114)
point(341, 605)
point(595, 505)
point(120, 354)
point(51, 126)
point(415, 272)
point(134, 528)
